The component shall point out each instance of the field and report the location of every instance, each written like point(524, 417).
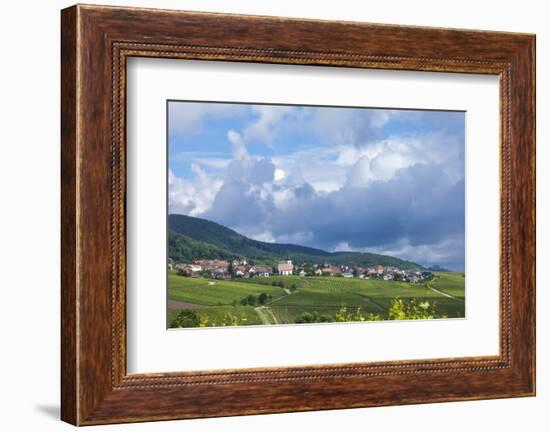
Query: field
point(257, 301)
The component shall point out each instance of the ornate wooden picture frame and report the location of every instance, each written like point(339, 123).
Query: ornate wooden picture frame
point(96, 41)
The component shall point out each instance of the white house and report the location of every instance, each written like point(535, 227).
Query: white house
point(263, 271)
point(285, 267)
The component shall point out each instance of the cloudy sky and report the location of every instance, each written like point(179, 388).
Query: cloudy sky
point(340, 179)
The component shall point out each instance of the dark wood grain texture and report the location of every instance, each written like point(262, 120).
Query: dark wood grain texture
point(95, 42)
point(69, 371)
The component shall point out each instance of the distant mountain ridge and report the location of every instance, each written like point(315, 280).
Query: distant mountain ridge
point(192, 238)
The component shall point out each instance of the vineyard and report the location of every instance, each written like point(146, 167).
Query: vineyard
point(293, 299)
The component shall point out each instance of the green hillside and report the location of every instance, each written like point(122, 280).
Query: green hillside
point(191, 238)
point(181, 248)
point(213, 233)
point(219, 302)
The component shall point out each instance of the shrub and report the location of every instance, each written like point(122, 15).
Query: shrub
point(186, 319)
point(412, 310)
point(343, 315)
point(313, 317)
point(230, 320)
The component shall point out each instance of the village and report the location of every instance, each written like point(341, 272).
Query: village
point(243, 268)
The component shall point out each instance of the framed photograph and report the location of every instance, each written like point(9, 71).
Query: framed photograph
point(309, 205)
point(323, 214)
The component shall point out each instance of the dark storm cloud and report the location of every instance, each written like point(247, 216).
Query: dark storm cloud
point(419, 203)
point(418, 206)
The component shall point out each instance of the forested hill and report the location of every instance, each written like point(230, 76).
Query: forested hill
point(191, 238)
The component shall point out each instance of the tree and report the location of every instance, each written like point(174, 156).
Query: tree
point(262, 298)
point(248, 300)
point(308, 317)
